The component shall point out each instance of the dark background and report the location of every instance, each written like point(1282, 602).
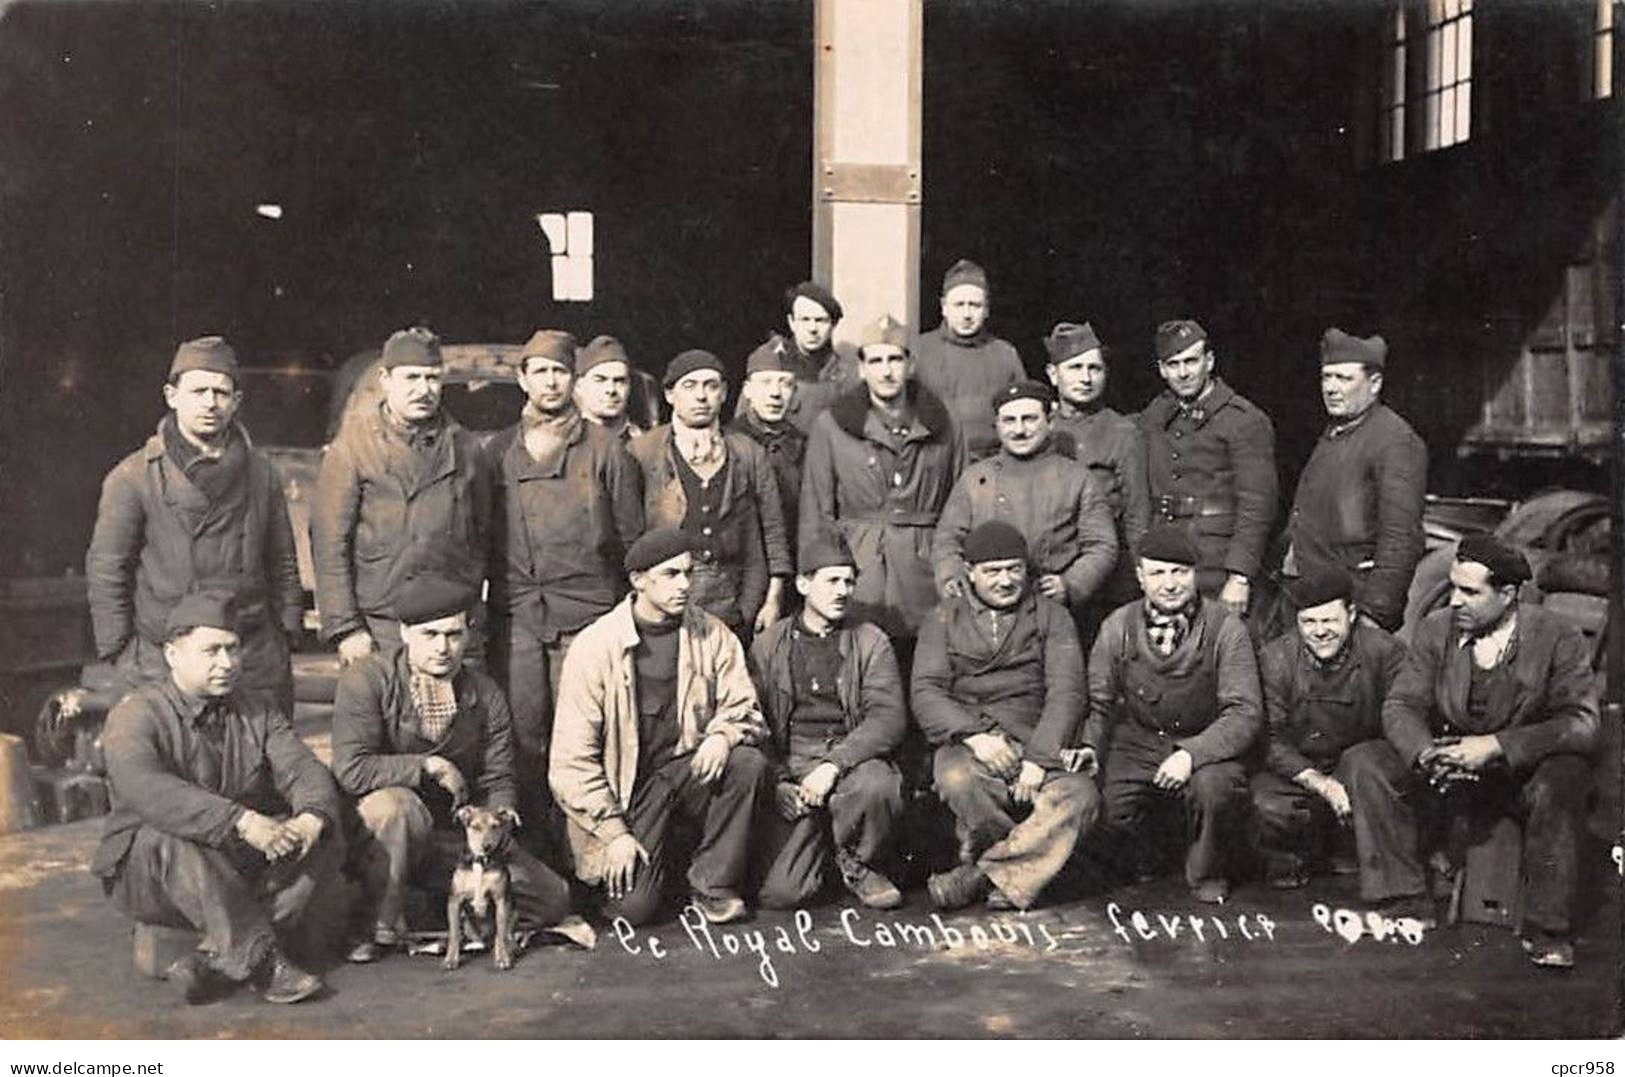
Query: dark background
point(1112, 161)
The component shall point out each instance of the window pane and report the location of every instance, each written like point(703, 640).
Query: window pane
point(1397, 135)
point(1447, 55)
point(1435, 12)
point(1430, 123)
point(1451, 9)
point(1433, 59)
point(1464, 111)
point(1464, 38)
point(1447, 118)
point(1395, 90)
point(1605, 14)
point(1605, 66)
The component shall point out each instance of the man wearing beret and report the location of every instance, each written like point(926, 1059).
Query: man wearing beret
point(1359, 500)
point(821, 372)
point(767, 401)
point(570, 504)
point(603, 387)
point(658, 720)
point(964, 364)
point(1037, 486)
point(834, 707)
point(402, 490)
point(720, 489)
point(1497, 707)
point(197, 506)
point(998, 690)
point(1109, 445)
point(1327, 761)
point(1174, 704)
point(222, 821)
point(1211, 462)
point(417, 733)
point(880, 463)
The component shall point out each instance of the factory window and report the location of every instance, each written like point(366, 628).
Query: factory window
point(1602, 51)
point(1449, 96)
point(569, 241)
point(1427, 92)
point(1392, 117)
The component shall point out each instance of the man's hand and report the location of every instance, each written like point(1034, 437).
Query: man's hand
point(772, 606)
point(356, 646)
point(306, 830)
point(994, 753)
point(710, 758)
point(1174, 772)
point(1235, 593)
point(621, 865)
point(819, 781)
point(1329, 789)
point(261, 832)
point(954, 588)
point(787, 799)
point(445, 774)
point(1470, 753)
point(1052, 586)
point(1080, 761)
point(1027, 783)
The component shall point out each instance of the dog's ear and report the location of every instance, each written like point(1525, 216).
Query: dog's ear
point(510, 815)
point(462, 814)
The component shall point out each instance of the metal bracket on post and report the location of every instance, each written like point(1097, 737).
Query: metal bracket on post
point(891, 184)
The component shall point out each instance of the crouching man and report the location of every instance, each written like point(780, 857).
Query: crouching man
point(223, 821)
point(998, 688)
point(834, 705)
point(658, 721)
point(416, 733)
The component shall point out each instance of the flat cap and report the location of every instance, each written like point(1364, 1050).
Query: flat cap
point(994, 540)
point(554, 344)
point(1505, 563)
point(601, 349)
point(1025, 389)
point(884, 330)
point(818, 294)
point(203, 608)
point(1171, 543)
point(1337, 346)
point(1175, 336)
point(654, 547)
point(686, 363)
point(772, 355)
point(1320, 584)
point(964, 271)
point(1067, 340)
point(825, 548)
point(431, 596)
point(205, 353)
point(416, 346)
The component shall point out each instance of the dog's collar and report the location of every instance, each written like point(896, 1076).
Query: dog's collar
point(484, 860)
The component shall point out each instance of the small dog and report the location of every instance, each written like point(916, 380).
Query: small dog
point(479, 886)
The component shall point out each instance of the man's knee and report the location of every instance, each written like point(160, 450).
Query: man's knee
point(1560, 784)
point(1218, 785)
point(1372, 768)
point(394, 810)
point(746, 765)
point(956, 772)
point(873, 783)
point(1074, 795)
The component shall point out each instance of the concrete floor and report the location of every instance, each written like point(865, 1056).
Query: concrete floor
point(65, 971)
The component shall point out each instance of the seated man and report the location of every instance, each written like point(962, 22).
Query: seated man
point(416, 733)
point(1498, 707)
point(1173, 705)
point(834, 704)
point(1324, 686)
point(998, 689)
point(657, 719)
point(223, 821)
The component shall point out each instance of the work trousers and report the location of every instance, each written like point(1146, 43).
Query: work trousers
point(232, 896)
point(529, 671)
point(726, 812)
point(1020, 857)
point(401, 846)
point(1213, 801)
point(1295, 824)
point(854, 828)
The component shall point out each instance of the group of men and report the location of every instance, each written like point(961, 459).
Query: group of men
point(686, 662)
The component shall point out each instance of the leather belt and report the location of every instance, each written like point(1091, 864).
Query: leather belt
point(1179, 508)
point(896, 518)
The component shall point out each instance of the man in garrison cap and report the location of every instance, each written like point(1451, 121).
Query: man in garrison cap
point(833, 701)
point(403, 490)
point(1359, 499)
point(1327, 763)
point(1211, 462)
point(998, 689)
point(821, 372)
point(720, 489)
point(569, 505)
point(417, 734)
point(603, 386)
point(197, 506)
point(1498, 709)
point(1034, 483)
point(223, 821)
point(658, 721)
point(964, 364)
point(767, 400)
point(1174, 704)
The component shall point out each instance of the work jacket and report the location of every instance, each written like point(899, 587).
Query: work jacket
point(964, 373)
point(1317, 713)
point(593, 763)
point(1113, 449)
point(786, 450)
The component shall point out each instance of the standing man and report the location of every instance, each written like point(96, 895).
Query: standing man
point(223, 821)
point(571, 505)
point(834, 707)
point(1211, 460)
point(603, 387)
point(1055, 504)
point(998, 690)
point(767, 401)
point(720, 489)
point(962, 363)
point(1328, 764)
point(417, 734)
point(1174, 704)
point(1498, 708)
point(1109, 445)
point(658, 719)
point(197, 506)
point(1359, 499)
point(880, 463)
point(401, 491)
point(811, 314)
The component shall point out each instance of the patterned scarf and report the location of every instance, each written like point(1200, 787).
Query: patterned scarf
point(546, 436)
point(703, 448)
point(1166, 631)
point(436, 703)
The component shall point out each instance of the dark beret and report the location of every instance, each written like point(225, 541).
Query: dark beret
point(204, 608)
point(554, 344)
point(1337, 346)
point(1320, 584)
point(205, 353)
point(772, 355)
point(1505, 563)
point(416, 346)
point(995, 540)
point(1171, 543)
point(686, 363)
point(825, 548)
point(654, 547)
point(430, 597)
point(1026, 389)
point(1067, 340)
point(601, 349)
point(818, 294)
point(964, 271)
point(1175, 336)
